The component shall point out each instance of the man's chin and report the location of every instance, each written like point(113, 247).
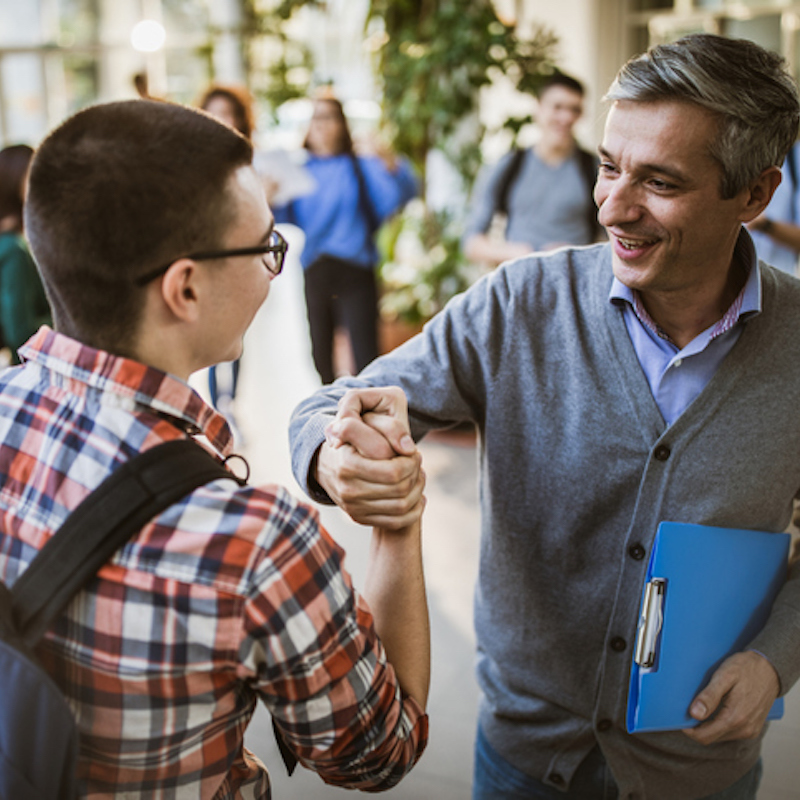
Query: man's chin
point(634, 276)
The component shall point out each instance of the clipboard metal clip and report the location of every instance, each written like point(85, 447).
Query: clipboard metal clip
point(650, 622)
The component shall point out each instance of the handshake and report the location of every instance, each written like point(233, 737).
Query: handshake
point(369, 465)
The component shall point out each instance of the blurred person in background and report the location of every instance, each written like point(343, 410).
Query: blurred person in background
point(544, 191)
point(23, 304)
point(776, 232)
point(233, 106)
point(354, 194)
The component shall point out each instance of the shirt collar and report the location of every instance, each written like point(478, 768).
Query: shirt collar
point(143, 386)
point(746, 304)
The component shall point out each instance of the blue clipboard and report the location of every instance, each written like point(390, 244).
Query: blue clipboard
point(708, 593)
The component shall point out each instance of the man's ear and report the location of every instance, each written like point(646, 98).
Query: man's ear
point(180, 289)
point(759, 193)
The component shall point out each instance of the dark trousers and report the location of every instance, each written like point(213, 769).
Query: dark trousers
point(340, 294)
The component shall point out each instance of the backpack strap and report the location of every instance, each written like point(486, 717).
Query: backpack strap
point(123, 504)
point(588, 166)
point(364, 203)
point(507, 179)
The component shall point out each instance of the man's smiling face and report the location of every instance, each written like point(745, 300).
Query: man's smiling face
point(658, 192)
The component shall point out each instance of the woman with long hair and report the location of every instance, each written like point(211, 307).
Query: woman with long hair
point(353, 195)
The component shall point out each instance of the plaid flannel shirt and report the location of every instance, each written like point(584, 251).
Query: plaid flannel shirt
point(231, 595)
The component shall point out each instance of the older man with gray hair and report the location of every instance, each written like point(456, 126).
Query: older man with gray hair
point(651, 378)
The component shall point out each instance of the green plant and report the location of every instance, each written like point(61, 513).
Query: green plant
point(434, 57)
point(278, 65)
point(422, 266)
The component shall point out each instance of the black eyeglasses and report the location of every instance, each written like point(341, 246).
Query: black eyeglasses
point(274, 252)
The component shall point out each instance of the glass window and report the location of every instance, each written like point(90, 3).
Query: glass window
point(81, 81)
point(188, 74)
point(20, 23)
point(25, 114)
point(185, 17)
point(764, 30)
point(78, 21)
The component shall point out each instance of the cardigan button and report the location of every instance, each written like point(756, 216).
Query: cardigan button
point(637, 551)
point(556, 778)
point(618, 644)
point(662, 452)
point(604, 725)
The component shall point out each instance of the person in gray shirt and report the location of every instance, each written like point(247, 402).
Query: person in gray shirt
point(651, 378)
point(545, 191)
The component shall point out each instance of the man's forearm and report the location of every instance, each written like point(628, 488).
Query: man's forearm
point(395, 591)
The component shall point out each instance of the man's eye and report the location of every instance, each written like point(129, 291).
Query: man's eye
point(661, 185)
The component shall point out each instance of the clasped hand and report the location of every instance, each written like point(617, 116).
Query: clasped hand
point(369, 465)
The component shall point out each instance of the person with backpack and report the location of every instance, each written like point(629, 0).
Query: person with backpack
point(776, 232)
point(354, 195)
point(157, 248)
point(545, 192)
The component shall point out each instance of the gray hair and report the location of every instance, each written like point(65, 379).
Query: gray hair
point(746, 86)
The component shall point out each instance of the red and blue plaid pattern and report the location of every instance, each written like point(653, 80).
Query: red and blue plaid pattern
point(232, 595)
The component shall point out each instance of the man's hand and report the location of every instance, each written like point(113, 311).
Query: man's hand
point(743, 689)
point(369, 464)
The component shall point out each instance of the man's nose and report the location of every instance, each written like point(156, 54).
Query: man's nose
point(617, 200)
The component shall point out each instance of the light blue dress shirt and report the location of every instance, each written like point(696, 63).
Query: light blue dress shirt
point(676, 376)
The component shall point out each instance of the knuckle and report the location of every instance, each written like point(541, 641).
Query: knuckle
point(347, 494)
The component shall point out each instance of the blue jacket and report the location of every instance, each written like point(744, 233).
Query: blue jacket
point(332, 217)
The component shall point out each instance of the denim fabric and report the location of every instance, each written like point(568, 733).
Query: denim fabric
point(496, 779)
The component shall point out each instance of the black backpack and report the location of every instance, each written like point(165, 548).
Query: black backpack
point(38, 733)
point(588, 166)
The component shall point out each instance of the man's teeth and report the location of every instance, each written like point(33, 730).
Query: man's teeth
point(633, 244)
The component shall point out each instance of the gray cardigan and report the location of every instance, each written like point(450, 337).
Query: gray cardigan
point(577, 470)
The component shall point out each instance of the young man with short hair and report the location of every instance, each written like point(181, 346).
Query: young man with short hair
point(545, 191)
point(157, 247)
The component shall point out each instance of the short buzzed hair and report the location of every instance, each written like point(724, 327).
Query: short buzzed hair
point(747, 87)
point(116, 191)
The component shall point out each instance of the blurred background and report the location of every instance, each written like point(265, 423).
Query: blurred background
point(447, 83)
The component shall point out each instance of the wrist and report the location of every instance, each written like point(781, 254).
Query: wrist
point(315, 484)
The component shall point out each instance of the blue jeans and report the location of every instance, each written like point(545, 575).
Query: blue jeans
point(496, 779)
